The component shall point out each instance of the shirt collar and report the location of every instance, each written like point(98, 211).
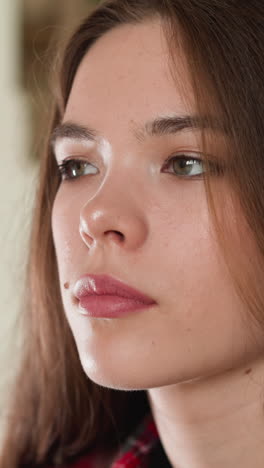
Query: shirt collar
point(137, 448)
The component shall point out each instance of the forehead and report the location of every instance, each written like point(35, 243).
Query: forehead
point(125, 78)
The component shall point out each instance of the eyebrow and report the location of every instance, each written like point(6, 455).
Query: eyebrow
point(162, 125)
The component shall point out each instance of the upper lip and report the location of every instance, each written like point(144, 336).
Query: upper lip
point(106, 285)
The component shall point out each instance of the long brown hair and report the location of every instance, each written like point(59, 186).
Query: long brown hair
point(55, 412)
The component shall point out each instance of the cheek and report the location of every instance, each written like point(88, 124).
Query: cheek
point(65, 231)
point(181, 235)
point(195, 285)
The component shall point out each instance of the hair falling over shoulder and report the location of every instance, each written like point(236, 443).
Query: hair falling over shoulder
point(55, 413)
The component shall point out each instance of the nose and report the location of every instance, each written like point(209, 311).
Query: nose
point(113, 216)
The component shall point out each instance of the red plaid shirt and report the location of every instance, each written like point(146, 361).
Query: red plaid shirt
point(137, 450)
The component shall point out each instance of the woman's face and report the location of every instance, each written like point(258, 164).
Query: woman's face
point(139, 220)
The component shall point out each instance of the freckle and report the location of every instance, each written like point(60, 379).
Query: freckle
point(248, 371)
point(66, 285)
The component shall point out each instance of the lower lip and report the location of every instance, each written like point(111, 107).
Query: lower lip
point(109, 306)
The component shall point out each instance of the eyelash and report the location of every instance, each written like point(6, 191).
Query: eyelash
point(213, 167)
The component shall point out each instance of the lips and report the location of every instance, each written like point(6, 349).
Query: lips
point(104, 296)
point(101, 285)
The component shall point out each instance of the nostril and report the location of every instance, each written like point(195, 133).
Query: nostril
point(86, 238)
point(116, 234)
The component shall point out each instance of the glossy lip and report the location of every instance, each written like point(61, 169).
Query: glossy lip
point(105, 296)
point(106, 285)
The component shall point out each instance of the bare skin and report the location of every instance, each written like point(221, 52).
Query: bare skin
point(191, 352)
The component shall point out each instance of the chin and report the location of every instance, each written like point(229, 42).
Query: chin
point(125, 378)
point(111, 376)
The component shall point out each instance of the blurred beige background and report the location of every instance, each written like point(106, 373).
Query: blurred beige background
point(28, 30)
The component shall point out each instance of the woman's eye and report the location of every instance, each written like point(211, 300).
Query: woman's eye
point(186, 166)
point(182, 166)
point(75, 168)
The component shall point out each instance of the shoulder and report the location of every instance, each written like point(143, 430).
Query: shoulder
point(93, 460)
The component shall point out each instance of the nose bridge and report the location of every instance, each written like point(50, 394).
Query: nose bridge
point(114, 212)
point(116, 190)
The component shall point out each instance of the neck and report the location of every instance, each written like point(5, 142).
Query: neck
point(213, 422)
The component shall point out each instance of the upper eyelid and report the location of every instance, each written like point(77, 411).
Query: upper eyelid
point(185, 154)
point(75, 157)
point(190, 153)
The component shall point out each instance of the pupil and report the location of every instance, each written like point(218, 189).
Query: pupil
point(78, 167)
point(183, 164)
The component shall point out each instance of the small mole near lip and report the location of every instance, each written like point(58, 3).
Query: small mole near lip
point(248, 371)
